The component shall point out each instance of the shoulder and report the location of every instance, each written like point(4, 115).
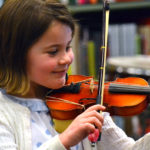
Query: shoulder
point(11, 110)
point(14, 123)
point(7, 102)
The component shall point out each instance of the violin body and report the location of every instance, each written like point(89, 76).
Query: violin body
point(66, 105)
point(59, 102)
point(126, 103)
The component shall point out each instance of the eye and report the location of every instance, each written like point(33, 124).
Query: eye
point(68, 48)
point(53, 52)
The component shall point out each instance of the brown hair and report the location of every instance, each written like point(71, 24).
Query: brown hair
point(22, 23)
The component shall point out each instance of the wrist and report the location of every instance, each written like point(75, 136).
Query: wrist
point(64, 141)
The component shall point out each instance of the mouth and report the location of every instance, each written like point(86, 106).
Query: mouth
point(61, 72)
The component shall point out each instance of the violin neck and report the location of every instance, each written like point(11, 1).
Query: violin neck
point(128, 89)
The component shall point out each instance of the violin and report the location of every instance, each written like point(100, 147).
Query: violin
point(122, 97)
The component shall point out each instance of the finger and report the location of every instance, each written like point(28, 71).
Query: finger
point(96, 122)
point(95, 107)
point(90, 127)
point(94, 113)
point(94, 118)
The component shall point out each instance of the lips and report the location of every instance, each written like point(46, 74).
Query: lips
point(60, 73)
point(62, 70)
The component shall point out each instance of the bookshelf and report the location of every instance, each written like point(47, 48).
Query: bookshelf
point(120, 12)
point(89, 18)
point(126, 15)
point(113, 6)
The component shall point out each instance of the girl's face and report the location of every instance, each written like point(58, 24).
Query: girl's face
point(49, 58)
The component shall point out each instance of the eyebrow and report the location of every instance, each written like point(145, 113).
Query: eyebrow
point(56, 45)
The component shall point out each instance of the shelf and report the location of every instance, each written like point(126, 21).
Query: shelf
point(113, 6)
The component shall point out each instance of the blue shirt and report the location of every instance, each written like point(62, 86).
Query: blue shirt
point(41, 121)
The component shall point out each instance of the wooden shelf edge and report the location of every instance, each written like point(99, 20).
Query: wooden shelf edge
point(113, 6)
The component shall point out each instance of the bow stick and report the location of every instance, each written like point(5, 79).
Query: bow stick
point(103, 52)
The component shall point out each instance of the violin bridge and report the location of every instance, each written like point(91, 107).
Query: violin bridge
point(92, 86)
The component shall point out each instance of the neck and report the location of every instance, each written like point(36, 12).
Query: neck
point(36, 91)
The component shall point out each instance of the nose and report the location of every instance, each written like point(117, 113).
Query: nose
point(66, 58)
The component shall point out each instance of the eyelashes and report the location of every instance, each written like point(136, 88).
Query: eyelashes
point(54, 51)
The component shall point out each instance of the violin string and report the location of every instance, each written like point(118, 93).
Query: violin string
point(83, 80)
point(133, 86)
point(128, 84)
point(120, 88)
point(63, 100)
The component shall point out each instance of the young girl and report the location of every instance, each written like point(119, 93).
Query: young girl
point(35, 54)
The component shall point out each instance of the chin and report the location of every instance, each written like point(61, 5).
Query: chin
point(59, 85)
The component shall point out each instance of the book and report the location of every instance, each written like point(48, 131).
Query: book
point(113, 40)
point(83, 53)
point(66, 2)
point(122, 40)
point(144, 31)
point(91, 59)
point(72, 2)
point(81, 2)
point(97, 38)
point(93, 1)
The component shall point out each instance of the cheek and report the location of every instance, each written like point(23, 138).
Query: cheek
point(39, 69)
point(47, 67)
point(71, 56)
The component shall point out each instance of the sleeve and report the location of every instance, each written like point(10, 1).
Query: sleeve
point(113, 137)
point(13, 135)
point(52, 144)
point(7, 139)
point(141, 144)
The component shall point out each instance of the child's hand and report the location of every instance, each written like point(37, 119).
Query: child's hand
point(82, 126)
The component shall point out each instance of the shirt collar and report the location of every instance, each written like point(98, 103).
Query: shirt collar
point(34, 104)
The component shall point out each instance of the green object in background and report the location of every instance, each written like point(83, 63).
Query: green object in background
point(91, 59)
point(72, 2)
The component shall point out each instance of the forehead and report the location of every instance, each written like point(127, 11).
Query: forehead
point(57, 32)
